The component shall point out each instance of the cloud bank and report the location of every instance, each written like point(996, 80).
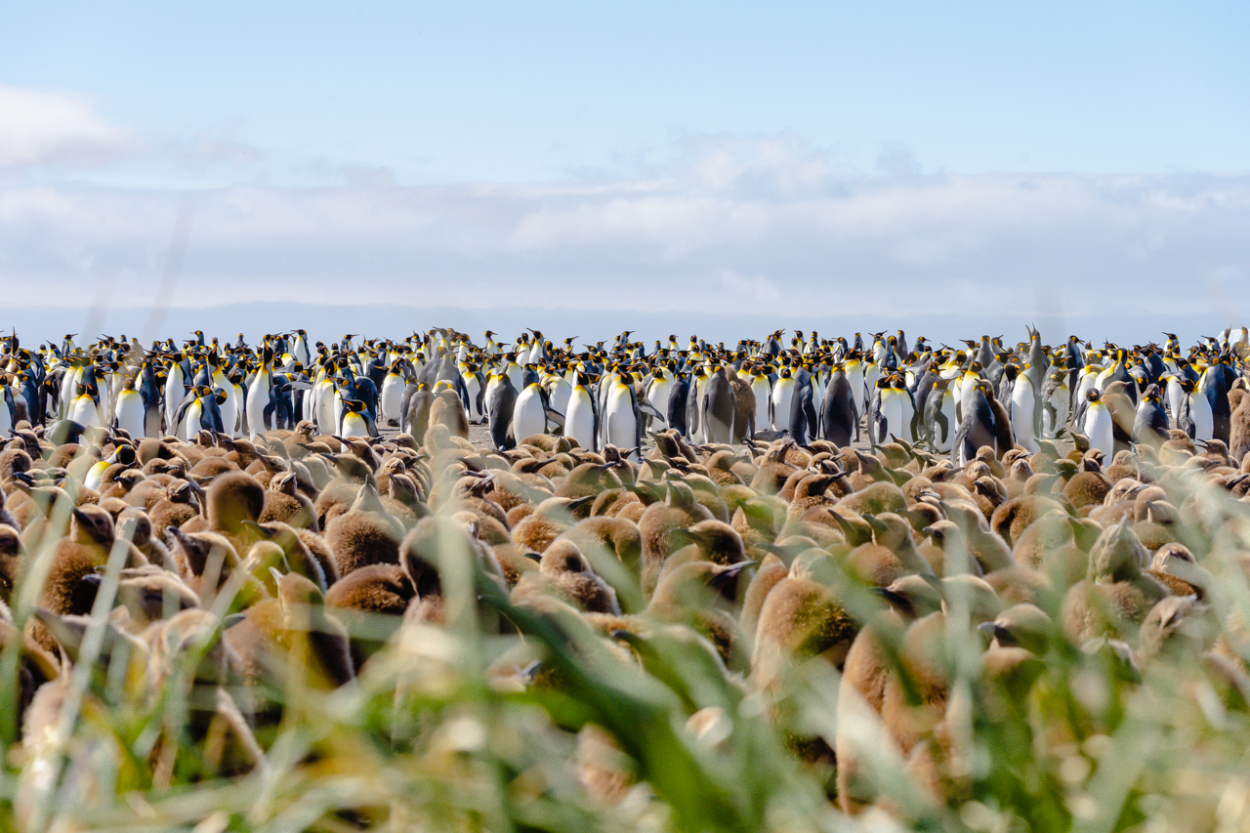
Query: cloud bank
point(732, 225)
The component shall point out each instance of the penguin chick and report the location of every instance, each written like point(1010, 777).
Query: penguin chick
point(1116, 596)
point(679, 510)
point(548, 520)
point(800, 617)
point(206, 561)
point(370, 602)
point(285, 503)
point(359, 538)
point(891, 555)
point(570, 573)
point(439, 556)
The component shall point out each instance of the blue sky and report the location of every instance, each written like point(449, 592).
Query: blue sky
point(472, 153)
point(518, 92)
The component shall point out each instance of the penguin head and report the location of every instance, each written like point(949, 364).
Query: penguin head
point(1093, 395)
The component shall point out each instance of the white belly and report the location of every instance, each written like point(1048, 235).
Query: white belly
point(129, 414)
point(392, 399)
point(528, 417)
point(579, 421)
point(83, 411)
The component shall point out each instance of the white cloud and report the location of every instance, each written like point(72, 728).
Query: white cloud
point(43, 128)
point(733, 225)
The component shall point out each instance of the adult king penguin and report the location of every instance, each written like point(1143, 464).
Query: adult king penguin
point(581, 420)
point(839, 421)
point(1097, 424)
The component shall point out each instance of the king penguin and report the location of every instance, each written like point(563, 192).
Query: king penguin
point(530, 412)
point(717, 408)
point(392, 397)
point(1150, 425)
point(129, 413)
point(581, 421)
point(260, 396)
point(783, 396)
point(501, 400)
point(1023, 410)
point(356, 421)
point(1097, 424)
point(622, 418)
point(839, 421)
point(978, 427)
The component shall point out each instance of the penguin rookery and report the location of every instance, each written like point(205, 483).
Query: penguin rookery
point(799, 583)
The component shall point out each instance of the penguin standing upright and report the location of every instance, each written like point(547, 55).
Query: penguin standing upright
point(300, 348)
point(177, 382)
point(1037, 366)
point(839, 421)
point(886, 413)
point(500, 404)
point(1215, 386)
point(259, 403)
point(581, 420)
point(678, 400)
point(84, 408)
point(200, 410)
point(854, 367)
point(717, 408)
point(230, 404)
point(1195, 416)
point(530, 412)
point(940, 423)
point(414, 417)
point(1022, 406)
point(356, 421)
point(1056, 401)
point(622, 418)
point(391, 401)
point(474, 385)
point(558, 392)
point(129, 413)
point(783, 395)
point(906, 408)
point(978, 427)
point(1097, 423)
point(802, 411)
point(150, 391)
point(1150, 424)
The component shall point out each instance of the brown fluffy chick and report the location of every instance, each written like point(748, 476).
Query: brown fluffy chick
point(1116, 595)
point(284, 502)
point(572, 577)
point(371, 603)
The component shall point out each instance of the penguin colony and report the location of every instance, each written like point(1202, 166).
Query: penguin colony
point(916, 565)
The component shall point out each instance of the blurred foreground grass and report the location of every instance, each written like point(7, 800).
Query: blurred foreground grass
point(457, 727)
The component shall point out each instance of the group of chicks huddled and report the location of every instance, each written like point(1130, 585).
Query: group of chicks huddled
point(292, 560)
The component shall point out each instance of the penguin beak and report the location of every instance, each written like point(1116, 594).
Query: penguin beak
point(876, 524)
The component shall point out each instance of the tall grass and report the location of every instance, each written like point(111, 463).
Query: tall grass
point(434, 736)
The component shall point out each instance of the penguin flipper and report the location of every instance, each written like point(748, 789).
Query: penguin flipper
point(650, 410)
point(879, 427)
point(553, 416)
point(182, 410)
